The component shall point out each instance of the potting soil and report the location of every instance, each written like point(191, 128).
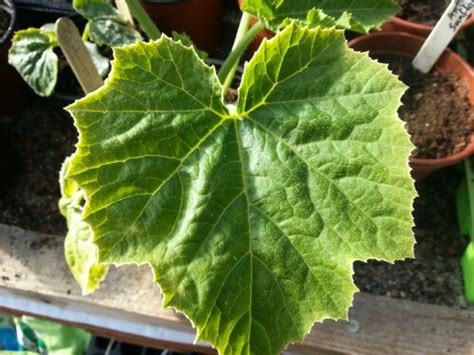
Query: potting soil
point(436, 108)
point(33, 146)
point(426, 12)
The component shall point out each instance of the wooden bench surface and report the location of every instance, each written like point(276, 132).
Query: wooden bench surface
point(35, 280)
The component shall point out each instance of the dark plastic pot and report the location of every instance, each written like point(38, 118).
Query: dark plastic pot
point(199, 19)
point(56, 6)
point(14, 93)
point(400, 25)
point(408, 45)
point(260, 36)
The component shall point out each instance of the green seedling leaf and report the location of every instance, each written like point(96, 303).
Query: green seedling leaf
point(80, 251)
point(355, 15)
point(48, 27)
point(32, 55)
point(107, 32)
point(251, 215)
point(101, 63)
point(93, 9)
point(106, 26)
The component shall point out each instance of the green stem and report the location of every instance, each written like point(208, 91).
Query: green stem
point(85, 34)
point(143, 19)
point(226, 74)
point(242, 40)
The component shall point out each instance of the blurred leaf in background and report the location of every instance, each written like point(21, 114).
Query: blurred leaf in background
point(28, 335)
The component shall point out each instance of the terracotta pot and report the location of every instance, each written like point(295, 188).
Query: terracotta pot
point(408, 45)
point(199, 19)
point(400, 25)
point(260, 36)
point(14, 93)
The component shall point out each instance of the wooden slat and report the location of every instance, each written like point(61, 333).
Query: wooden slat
point(32, 267)
point(120, 336)
point(107, 322)
point(383, 325)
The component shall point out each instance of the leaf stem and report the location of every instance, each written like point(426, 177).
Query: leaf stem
point(242, 39)
point(86, 33)
point(143, 19)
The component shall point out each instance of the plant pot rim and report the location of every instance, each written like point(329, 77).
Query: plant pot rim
point(459, 156)
point(450, 159)
point(8, 34)
point(422, 27)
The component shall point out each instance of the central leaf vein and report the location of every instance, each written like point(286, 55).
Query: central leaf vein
point(245, 187)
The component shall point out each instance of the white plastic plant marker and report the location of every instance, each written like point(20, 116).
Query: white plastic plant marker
point(77, 55)
point(445, 30)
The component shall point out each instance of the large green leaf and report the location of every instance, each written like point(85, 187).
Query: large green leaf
point(252, 215)
point(356, 15)
point(33, 57)
point(80, 251)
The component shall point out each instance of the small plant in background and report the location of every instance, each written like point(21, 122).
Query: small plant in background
point(105, 26)
point(32, 51)
point(250, 213)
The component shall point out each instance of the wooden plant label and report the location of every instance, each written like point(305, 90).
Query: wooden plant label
point(122, 7)
point(446, 28)
point(77, 55)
